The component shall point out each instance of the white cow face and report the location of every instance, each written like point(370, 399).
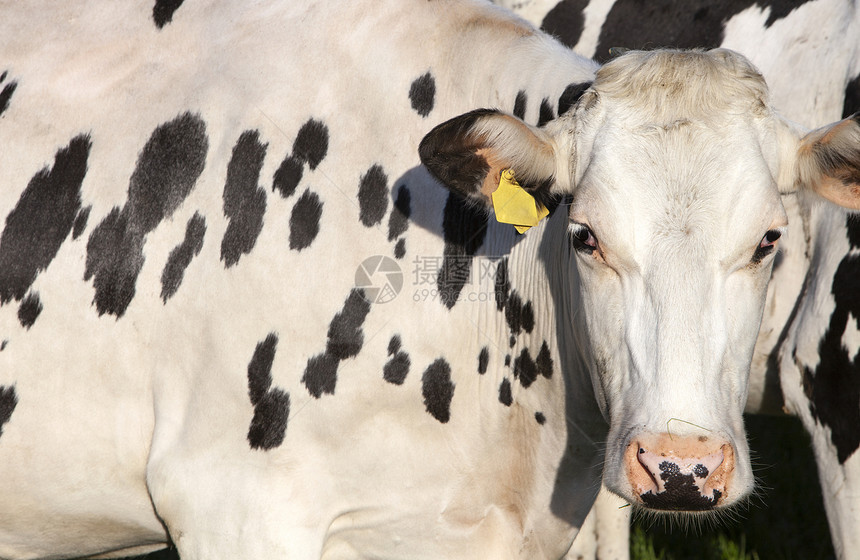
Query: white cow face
point(676, 164)
point(674, 224)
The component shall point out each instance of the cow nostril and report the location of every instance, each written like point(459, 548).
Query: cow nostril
point(644, 477)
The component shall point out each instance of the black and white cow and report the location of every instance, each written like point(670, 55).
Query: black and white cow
point(237, 311)
point(809, 52)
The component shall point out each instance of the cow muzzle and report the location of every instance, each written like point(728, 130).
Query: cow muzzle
point(680, 473)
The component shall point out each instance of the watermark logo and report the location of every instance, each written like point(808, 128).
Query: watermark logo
point(380, 277)
point(448, 278)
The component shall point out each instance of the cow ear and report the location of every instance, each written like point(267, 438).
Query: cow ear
point(828, 161)
point(468, 154)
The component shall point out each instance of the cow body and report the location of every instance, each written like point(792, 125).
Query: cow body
point(134, 386)
point(203, 327)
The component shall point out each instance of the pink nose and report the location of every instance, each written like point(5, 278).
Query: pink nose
point(689, 473)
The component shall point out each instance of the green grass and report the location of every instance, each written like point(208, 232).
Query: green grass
point(717, 546)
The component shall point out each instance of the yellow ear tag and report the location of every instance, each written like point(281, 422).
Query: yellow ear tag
point(513, 205)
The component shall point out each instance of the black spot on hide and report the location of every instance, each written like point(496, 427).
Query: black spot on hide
point(271, 406)
point(244, 201)
point(114, 259)
point(514, 312)
point(345, 336)
point(396, 369)
point(373, 196)
point(519, 316)
point(483, 360)
point(422, 93)
point(321, 375)
point(42, 219)
point(853, 225)
point(305, 220)
point(520, 105)
point(852, 98)
point(162, 12)
point(269, 423)
point(544, 361)
point(438, 390)
point(345, 339)
point(167, 169)
point(545, 115)
point(6, 95)
point(8, 402)
point(525, 369)
point(502, 284)
point(287, 176)
point(635, 24)
point(260, 368)
point(310, 146)
point(505, 396)
point(394, 345)
point(400, 249)
point(527, 317)
point(566, 21)
point(29, 310)
point(571, 95)
point(180, 257)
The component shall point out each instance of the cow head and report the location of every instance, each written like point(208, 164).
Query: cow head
point(676, 164)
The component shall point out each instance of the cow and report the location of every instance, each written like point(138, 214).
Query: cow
point(205, 335)
point(814, 40)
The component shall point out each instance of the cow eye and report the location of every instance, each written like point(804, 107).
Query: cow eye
point(770, 238)
point(582, 238)
point(767, 245)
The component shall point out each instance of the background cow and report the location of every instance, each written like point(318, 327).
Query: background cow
point(251, 400)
